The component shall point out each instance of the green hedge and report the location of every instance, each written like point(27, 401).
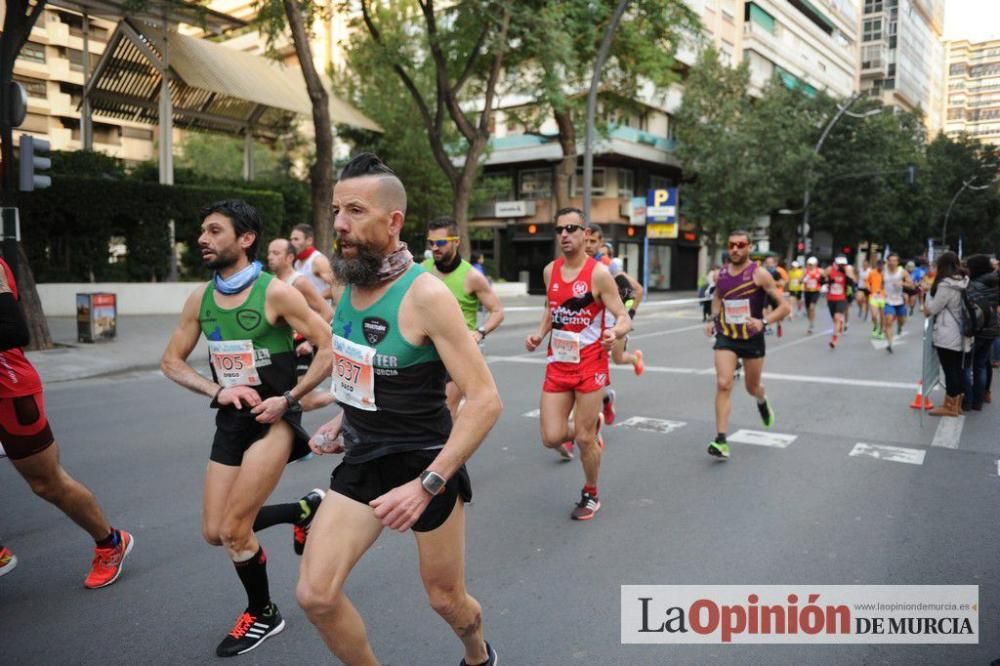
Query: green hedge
point(67, 229)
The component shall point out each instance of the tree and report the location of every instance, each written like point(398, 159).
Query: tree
point(951, 162)
point(558, 45)
point(275, 16)
point(726, 189)
point(465, 45)
point(220, 157)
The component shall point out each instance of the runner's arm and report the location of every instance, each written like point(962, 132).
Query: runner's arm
point(445, 326)
point(290, 305)
point(764, 280)
point(322, 269)
point(637, 290)
point(546, 324)
point(174, 362)
point(480, 286)
point(608, 292)
point(318, 304)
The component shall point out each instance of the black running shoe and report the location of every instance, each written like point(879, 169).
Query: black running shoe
point(766, 413)
point(250, 631)
point(300, 529)
point(491, 658)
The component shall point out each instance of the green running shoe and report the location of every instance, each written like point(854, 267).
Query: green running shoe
point(766, 413)
point(719, 450)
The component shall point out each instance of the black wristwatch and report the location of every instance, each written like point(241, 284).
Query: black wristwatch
point(432, 482)
point(293, 404)
point(482, 332)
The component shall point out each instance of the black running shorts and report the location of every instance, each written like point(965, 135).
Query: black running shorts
point(363, 482)
point(24, 429)
point(812, 298)
point(752, 348)
point(837, 307)
point(237, 430)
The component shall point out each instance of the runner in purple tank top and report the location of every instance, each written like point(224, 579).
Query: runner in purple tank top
point(738, 322)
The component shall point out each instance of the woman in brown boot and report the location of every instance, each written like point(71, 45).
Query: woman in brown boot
point(945, 305)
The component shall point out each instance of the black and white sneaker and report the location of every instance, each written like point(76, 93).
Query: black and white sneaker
point(250, 631)
point(491, 658)
point(300, 530)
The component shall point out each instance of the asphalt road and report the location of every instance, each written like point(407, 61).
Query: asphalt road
point(808, 513)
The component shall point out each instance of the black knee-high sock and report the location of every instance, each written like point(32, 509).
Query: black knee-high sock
point(253, 575)
point(275, 514)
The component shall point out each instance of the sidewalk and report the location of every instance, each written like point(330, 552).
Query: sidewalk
point(142, 339)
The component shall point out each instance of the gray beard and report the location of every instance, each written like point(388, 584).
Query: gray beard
point(362, 271)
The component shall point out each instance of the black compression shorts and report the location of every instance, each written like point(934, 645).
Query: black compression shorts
point(236, 431)
point(363, 482)
point(752, 348)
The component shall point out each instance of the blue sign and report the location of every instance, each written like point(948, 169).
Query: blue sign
point(661, 205)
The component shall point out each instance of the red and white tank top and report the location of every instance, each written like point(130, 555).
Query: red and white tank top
point(838, 285)
point(17, 376)
point(577, 317)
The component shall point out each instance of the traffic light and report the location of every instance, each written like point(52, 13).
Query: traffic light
point(34, 158)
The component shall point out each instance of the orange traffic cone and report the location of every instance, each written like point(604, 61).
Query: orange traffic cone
point(916, 404)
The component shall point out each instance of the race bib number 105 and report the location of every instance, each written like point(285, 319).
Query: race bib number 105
point(233, 361)
point(353, 374)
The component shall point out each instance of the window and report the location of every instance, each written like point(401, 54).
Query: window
point(873, 6)
point(754, 13)
point(872, 30)
point(626, 183)
point(599, 183)
point(888, 84)
point(75, 92)
point(535, 184)
point(137, 133)
point(34, 87)
point(33, 52)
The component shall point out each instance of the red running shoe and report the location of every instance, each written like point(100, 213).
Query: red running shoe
point(108, 562)
point(639, 366)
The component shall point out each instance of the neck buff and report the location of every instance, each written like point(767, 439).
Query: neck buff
point(238, 281)
point(305, 254)
point(395, 263)
point(449, 266)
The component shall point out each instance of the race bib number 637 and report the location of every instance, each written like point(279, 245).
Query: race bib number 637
point(353, 374)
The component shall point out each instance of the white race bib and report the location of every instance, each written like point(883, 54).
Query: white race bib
point(737, 310)
point(812, 284)
point(565, 346)
point(353, 374)
point(836, 289)
point(233, 361)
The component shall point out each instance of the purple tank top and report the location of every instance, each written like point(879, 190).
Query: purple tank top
point(741, 299)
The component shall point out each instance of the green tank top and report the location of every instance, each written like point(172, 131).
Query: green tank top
point(273, 348)
point(411, 413)
point(455, 281)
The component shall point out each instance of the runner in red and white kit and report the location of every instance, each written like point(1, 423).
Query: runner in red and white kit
point(579, 290)
point(31, 447)
point(838, 275)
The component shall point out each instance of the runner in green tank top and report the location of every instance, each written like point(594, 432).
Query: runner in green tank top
point(247, 317)
point(396, 330)
point(469, 286)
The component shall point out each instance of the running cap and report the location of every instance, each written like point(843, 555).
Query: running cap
point(812, 260)
point(795, 264)
point(841, 261)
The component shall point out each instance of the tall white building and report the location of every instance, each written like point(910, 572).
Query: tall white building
point(902, 55)
point(974, 89)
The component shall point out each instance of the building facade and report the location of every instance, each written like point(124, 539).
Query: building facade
point(50, 68)
point(973, 102)
point(902, 56)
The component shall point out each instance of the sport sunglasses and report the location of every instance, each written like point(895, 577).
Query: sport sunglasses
point(568, 228)
point(738, 245)
point(442, 242)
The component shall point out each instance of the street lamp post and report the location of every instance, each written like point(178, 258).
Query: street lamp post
point(966, 184)
point(841, 112)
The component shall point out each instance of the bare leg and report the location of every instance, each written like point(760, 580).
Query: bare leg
point(725, 367)
point(752, 369)
point(51, 482)
point(554, 418)
point(342, 531)
point(588, 406)
point(887, 328)
point(442, 568)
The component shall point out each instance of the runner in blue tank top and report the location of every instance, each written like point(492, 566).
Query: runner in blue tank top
point(738, 323)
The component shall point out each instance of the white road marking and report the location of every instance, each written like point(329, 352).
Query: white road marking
point(891, 453)
point(806, 379)
point(759, 438)
point(533, 414)
point(949, 431)
point(662, 426)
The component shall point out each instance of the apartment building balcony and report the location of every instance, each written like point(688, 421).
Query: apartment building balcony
point(624, 141)
point(874, 61)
